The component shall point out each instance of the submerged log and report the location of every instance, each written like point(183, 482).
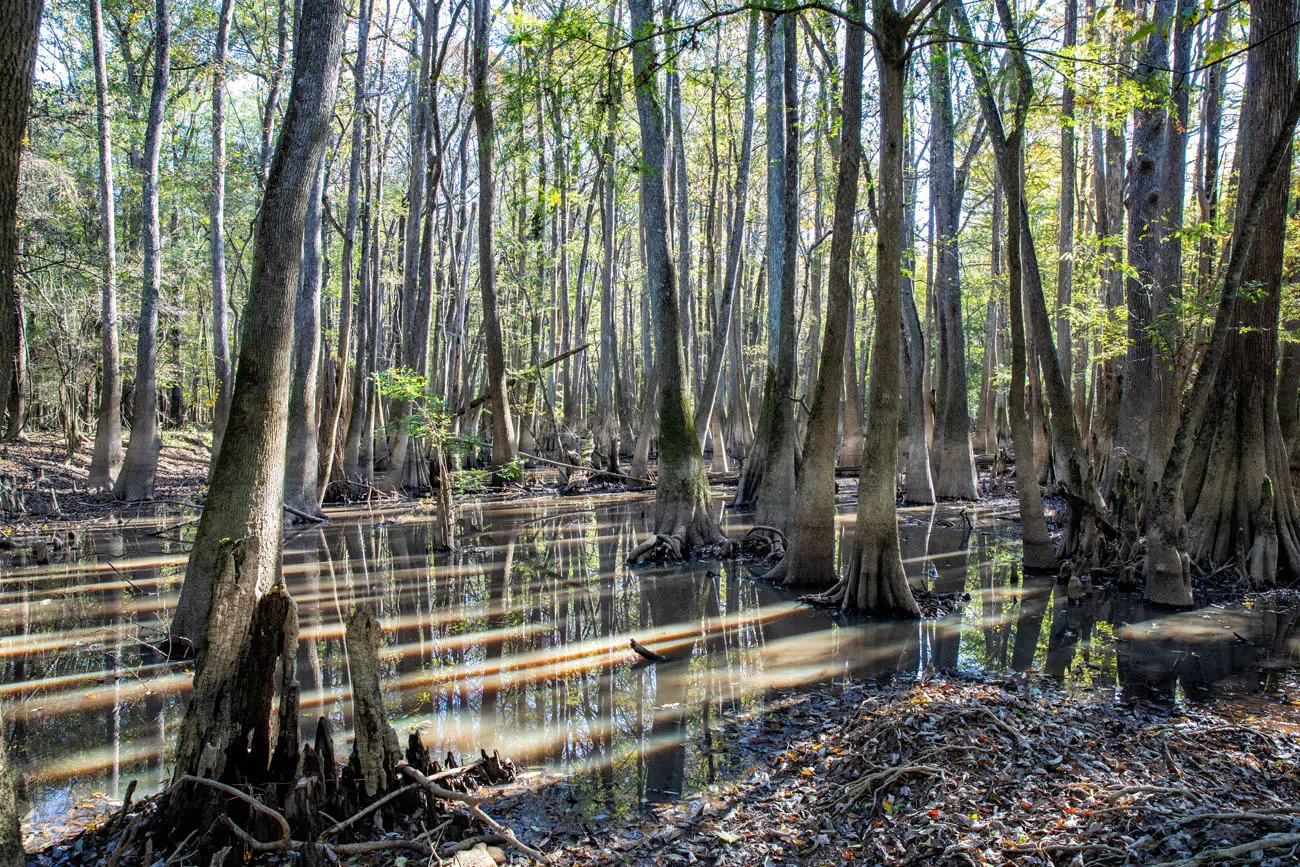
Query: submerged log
point(646, 653)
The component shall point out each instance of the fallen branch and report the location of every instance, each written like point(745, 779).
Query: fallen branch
point(1230, 853)
point(339, 826)
point(646, 653)
point(248, 799)
point(563, 465)
point(304, 516)
point(473, 802)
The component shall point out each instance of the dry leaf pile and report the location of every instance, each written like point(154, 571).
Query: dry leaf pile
point(952, 772)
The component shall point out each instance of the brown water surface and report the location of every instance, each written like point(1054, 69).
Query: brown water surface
point(518, 641)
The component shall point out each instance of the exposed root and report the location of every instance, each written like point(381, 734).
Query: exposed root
point(764, 543)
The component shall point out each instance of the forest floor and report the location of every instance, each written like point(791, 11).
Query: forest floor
point(942, 771)
point(956, 771)
point(40, 465)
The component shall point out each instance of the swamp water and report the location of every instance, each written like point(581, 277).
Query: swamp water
point(518, 641)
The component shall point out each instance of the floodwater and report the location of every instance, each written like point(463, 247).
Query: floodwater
point(518, 641)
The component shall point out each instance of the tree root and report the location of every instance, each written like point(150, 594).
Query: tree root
point(764, 543)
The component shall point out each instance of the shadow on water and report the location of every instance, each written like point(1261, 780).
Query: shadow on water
point(518, 642)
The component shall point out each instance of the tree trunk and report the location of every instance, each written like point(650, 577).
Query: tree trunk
point(606, 429)
point(735, 237)
point(1239, 500)
point(952, 456)
point(810, 559)
point(107, 457)
point(875, 583)
point(20, 23)
point(681, 500)
point(349, 241)
point(503, 429)
point(918, 483)
point(773, 450)
point(217, 230)
point(301, 460)
point(1140, 406)
point(236, 554)
point(140, 465)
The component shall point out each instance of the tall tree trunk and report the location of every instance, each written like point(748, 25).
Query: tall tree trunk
point(503, 429)
point(875, 583)
point(773, 449)
point(301, 460)
point(681, 500)
point(107, 457)
point(918, 483)
point(237, 547)
point(810, 559)
point(735, 238)
point(1140, 406)
point(349, 241)
point(1237, 493)
point(606, 429)
point(20, 24)
point(952, 455)
point(136, 480)
point(217, 230)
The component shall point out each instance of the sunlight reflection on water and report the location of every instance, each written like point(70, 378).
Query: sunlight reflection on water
point(518, 641)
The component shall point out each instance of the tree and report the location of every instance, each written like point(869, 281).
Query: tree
point(875, 583)
point(140, 465)
point(237, 548)
point(20, 25)
point(1227, 471)
point(953, 457)
point(503, 429)
point(682, 520)
point(107, 458)
point(217, 228)
point(810, 559)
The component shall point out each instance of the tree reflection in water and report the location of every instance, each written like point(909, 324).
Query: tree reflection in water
point(518, 642)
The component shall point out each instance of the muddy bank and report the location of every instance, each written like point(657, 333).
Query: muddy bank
point(954, 771)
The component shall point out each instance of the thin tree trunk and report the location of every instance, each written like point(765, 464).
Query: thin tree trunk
point(503, 429)
point(140, 465)
point(217, 230)
point(302, 462)
point(606, 429)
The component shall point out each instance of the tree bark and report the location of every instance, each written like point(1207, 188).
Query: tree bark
point(217, 230)
point(140, 465)
point(1140, 406)
point(107, 457)
point(952, 456)
point(503, 429)
point(301, 460)
point(875, 583)
point(810, 559)
point(236, 554)
point(606, 428)
point(681, 500)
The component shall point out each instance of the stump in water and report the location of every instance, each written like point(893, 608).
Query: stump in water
point(376, 751)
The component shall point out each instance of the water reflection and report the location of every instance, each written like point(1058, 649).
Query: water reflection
point(518, 641)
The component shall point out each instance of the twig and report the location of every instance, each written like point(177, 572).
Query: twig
point(584, 469)
point(334, 829)
point(248, 799)
point(123, 843)
point(126, 804)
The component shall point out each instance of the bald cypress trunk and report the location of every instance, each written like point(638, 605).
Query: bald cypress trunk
point(503, 428)
point(682, 515)
point(237, 547)
point(136, 480)
point(20, 22)
point(107, 457)
point(810, 559)
point(875, 582)
point(606, 428)
point(952, 455)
